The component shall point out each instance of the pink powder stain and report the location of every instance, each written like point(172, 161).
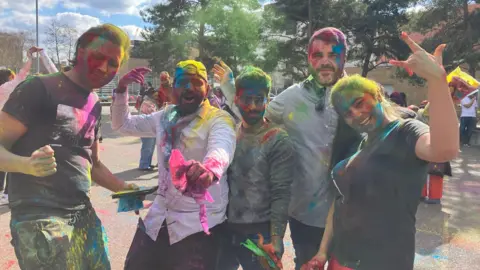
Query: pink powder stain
point(9, 264)
point(103, 212)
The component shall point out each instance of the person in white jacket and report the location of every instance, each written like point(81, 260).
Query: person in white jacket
point(8, 81)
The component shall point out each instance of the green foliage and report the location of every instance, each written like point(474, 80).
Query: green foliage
point(372, 28)
point(224, 28)
point(450, 22)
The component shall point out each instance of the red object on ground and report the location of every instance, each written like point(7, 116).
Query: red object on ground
point(433, 189)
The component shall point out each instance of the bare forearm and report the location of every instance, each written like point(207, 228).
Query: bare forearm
point(10, 162)
point(328, 233)
point(104, 178)
point(444, 132)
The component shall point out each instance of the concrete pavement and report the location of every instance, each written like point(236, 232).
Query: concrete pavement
point(448, 235)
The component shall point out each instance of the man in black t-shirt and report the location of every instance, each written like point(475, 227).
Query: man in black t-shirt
point(49, 131)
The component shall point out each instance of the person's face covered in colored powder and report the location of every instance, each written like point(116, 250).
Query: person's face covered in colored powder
point(360, 109)
point(325, 61)
point(252, 104)
point(189, 88)
point(99, 62)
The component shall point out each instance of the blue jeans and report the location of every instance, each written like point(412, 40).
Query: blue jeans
point(146, 154)
point(306, 241)
point(467, 126)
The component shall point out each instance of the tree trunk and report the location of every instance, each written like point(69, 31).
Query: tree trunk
point(366, 63)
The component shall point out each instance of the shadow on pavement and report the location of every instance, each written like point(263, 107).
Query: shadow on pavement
point(4, 209)
point(135, 174)
point(458, 213)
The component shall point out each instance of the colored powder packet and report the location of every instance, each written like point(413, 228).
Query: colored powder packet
point(259, 252)
point(177, 162)
point(129, 203)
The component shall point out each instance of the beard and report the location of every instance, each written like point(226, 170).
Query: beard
point(188, 106)
point(328, 79)
point(252, 117)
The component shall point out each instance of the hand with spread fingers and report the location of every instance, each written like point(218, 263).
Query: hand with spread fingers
point(422, 63)
point(42, 162)
point(136, 75)
point(223, 74)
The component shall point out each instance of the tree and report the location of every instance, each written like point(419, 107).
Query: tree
point(374, 28)
point(371, 27)
point(61, 40)
point(454, 22)
point(224, 28)
point(12, 48)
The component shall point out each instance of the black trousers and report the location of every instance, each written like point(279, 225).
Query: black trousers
point(3, 179)
point(196, 252)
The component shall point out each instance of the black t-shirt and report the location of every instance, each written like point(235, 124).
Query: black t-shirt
point(56, 111)
point(379, 190)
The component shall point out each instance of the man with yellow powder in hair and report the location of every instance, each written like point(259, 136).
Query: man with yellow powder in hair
point(172, 236)
point(49, 146)
point(259, 177)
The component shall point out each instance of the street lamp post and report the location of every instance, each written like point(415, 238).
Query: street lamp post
point(38, 56)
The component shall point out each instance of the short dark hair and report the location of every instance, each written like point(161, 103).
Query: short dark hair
point(253, 77)
point(5, 75)
point(107, 31)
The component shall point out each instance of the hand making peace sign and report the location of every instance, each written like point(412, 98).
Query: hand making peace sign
point(425, 65)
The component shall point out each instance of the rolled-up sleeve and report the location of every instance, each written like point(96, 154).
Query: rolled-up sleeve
point(221, 144)
point(137, 125)
point(275, 108)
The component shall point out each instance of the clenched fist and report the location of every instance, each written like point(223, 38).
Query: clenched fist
point(42, 162)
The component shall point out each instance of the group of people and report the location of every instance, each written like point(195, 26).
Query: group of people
point(331, 156)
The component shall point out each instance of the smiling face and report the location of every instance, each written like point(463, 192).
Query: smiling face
point(326, 61)
point(189, 91)
point(99, 61)
point(360, 110)
point(252, 104)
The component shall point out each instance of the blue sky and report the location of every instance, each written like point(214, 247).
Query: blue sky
point(19, 15)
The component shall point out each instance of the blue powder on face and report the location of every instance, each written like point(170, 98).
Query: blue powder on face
point(338, 49)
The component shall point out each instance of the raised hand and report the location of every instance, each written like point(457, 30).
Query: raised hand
point(42, 162)
point(425, 65)
point(136, 75)
point(33, 50)
point(223, 74)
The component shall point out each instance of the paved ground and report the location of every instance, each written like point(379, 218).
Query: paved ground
point(448, 235)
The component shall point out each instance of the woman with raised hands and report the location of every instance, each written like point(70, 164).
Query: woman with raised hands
point(371, 223)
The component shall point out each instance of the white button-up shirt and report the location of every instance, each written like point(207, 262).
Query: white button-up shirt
point(204, 136)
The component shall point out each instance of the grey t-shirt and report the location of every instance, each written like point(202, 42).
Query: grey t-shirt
point(378, 193)
point(260, 177)
point(311, 132)
point(56, 111)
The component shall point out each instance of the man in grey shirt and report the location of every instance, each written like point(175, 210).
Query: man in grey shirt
point(311, 124)
point(259, 177)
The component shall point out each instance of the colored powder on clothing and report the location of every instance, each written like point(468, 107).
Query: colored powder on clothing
point(179, 180)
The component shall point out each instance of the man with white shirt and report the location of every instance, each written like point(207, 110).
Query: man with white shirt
point(468, 118)
point(171, 235)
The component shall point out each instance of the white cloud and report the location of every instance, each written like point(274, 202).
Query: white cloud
point(133, 31)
